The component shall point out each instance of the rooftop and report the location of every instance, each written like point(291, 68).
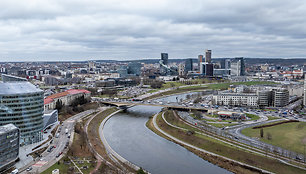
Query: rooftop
point(11, 88)
point(6, 128)
point(51, 98)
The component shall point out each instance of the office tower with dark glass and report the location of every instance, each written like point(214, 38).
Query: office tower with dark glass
point(9, 146)
point(163, 64)
point(134, 68)
point(164, 58)
point(208, 56)
point(188, 65)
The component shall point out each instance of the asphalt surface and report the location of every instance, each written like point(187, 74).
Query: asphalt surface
point(50, 158)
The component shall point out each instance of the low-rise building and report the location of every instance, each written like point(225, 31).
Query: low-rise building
point(66, 97)
point(280, 97)
point(236, 99)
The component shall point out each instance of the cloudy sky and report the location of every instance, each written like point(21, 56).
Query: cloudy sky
point(136, 29)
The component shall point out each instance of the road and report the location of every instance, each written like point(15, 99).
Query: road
point(49, 158)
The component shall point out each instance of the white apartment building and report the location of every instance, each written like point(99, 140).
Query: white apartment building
point(236, 99)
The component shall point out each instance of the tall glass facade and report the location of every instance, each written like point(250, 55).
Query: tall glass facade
point(9, 145)
point(22, 104)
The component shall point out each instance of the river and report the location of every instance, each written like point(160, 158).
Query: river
point(128, 135)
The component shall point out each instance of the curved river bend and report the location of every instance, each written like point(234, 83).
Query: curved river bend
point(128, 135)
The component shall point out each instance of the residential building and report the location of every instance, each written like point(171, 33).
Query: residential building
point(236, 99)
point(181, 69)
point(9, 146)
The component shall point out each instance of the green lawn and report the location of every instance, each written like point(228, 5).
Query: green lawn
point(222, 125)
point(287, 135)
point(223, 86)
point(63, 168)
point(223, 149)
point(252, 116)
point(272, 118)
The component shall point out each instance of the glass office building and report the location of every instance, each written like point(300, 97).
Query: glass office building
point(9, 146)
point(22, 104)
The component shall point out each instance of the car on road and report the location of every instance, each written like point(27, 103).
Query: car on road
point(59, 154)
point(29, 168)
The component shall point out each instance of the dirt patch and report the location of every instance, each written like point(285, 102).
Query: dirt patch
point(274, 124)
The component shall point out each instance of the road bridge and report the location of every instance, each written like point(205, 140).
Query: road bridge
point(125, 105)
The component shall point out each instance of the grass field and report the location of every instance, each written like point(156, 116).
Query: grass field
point(272, 118)
point(218, 86)
point(252, 116)
point(222, 125)
point(223, 149)
point(223, 86)
point(287, 135)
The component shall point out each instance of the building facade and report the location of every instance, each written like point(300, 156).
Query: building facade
point(264, 98)
point(22, 104)
point(280, 97)
point(238, 67)
point(236, 99)
point(200, 60)
point(188, 65)
point(163, 68)
point(66, 98)
point(9, 145)
point(134, 68)
point(207, 69)
point(208, 56)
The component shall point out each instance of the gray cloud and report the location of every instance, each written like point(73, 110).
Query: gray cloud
point(134, 29)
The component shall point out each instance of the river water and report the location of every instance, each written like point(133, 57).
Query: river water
point(128, 135)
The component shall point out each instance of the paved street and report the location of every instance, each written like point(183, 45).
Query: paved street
point(49, 158)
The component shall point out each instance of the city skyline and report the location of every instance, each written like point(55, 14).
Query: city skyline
point(133, 30)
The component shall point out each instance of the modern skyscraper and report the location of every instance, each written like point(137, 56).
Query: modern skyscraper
point(208, 56)
point(200, 60)
point(227, 64)
point(164, 58)
point(207, 69)
point(238, 67)
point(134, 68)
point(163, 68)
point(22, 104)
point(188, 65)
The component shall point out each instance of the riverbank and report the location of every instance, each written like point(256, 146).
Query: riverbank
point(222, 149)
point(214, 86)
point(93, 132)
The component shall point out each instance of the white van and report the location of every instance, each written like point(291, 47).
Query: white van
point(14, 171)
